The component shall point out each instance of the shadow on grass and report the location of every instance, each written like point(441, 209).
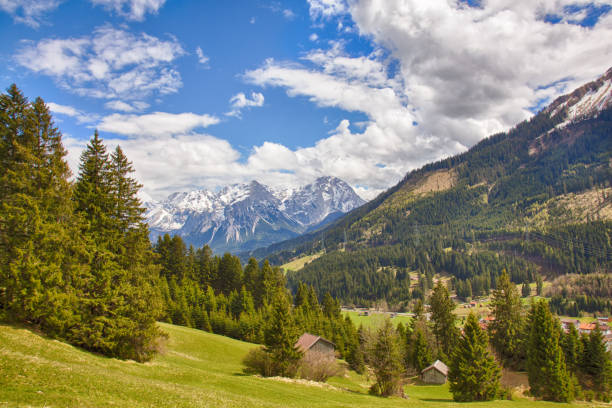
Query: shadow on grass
point(437, 399)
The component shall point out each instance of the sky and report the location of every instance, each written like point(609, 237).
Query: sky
point(203, 94)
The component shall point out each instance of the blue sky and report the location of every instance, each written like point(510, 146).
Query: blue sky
point(203, 94)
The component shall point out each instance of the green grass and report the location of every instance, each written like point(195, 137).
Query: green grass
point(198, 369)
point(375, 319)
point(299, 263)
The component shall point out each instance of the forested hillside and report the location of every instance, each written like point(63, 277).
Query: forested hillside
point(534, 200)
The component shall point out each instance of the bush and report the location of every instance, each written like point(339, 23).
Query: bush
point(317, 366)
point(259, 361)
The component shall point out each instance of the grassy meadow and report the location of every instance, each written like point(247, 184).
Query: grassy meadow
point(197, 369)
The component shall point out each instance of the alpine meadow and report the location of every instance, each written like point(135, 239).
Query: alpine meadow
point(335, 203)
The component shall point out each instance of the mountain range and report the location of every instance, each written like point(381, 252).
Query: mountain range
point(244, 217)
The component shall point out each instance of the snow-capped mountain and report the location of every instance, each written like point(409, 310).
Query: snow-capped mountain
point(588, 100)
point(247, 216)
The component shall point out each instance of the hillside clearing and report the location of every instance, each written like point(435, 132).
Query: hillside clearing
point(198, 369)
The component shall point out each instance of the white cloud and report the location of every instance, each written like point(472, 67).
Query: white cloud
point(79, 115)
point(29, 12)
point(326, 8)
point(155, 124)
point(448, 75)
point(121, 106)
point(288, 14)
point(131, 9)
point(252, 20)
point(202, 59)
point(241, 101)
point(313, 37)
point(110, 63)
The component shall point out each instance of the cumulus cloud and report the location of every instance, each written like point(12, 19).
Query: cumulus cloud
point(80, 116)
point(111, 63)
point(155, 124)
point(134, 10)
point(121, 106)
point(326, 8)
point(202, 59)
point(443, 76)
point(29, 12)
point(241, 101)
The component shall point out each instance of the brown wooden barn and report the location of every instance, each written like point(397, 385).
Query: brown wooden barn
point(309, 342)
point(435, 373)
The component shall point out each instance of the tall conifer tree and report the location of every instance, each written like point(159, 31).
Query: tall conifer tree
point(473, 373)
point(508, 327)
point(548, 377)
point(443, 320)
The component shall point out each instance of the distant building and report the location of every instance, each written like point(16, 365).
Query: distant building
point(435, 373)
point(586, 328)
point(566, 323)
point(309, 342)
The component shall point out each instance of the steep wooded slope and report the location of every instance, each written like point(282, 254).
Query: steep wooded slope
point(535, 199)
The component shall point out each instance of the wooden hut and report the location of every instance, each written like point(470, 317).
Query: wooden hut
point(309, 342)
point(435, 373)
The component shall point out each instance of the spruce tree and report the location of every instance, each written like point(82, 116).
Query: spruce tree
point(572, 348)
point(548, 377)
point(385, 357)
point(443, 320)
point(420, 352)
point(507, 329)
point(40, 256)
point(596, 361)
point(473, 373)
point(120, 309)
point(92, 191)
point(280, 337)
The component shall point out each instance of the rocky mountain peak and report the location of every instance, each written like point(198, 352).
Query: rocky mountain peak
point(244, 216)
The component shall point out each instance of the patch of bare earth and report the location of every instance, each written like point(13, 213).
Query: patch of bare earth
point(595, 203)
point(439, 181)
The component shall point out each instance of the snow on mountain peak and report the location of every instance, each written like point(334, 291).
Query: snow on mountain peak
point(236, 211)
point(587, 100)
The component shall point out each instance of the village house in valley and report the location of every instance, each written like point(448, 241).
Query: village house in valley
point(311, 343)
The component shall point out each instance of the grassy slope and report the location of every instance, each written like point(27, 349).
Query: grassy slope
point(299, 263)
point(199, 369)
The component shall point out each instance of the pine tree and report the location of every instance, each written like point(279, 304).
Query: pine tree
point(548, 377)
point(595, 361)
point(525, 290)
point(40, 255)
point(420, 353)
point(507, 329)
point(119, 310)
point(473, 373)
point(92, 191)
point(443, 320)
point(572, 348)
point(386, 357)
point(280, 337)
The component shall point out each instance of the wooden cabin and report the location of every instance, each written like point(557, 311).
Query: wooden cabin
point(435, 373)
point(309, 342)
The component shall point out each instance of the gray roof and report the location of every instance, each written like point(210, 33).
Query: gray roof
point(307, 340)
point(439, 366)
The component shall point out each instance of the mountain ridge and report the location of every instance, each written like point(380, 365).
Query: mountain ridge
point(244, 216)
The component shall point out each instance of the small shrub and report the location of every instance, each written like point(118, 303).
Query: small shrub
point(317, 366)
point(505, 393)
point(258, 361)
point(589, 395)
